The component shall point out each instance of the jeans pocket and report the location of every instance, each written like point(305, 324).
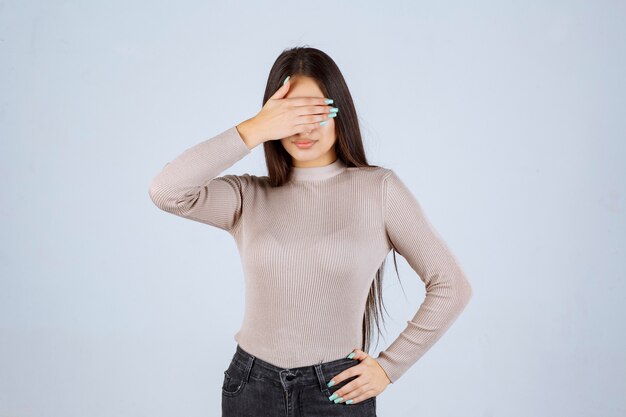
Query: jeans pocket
point(328, 391)
point(234, 381)
point(368, 401)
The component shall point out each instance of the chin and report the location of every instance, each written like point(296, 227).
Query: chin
point(307, 159)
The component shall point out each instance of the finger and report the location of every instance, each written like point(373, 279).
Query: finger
point(282, 91)
point(353, 389)
point(313, 119)
point(308, 101)
point(350, 372)
point(359, 354)
point(306, 110)
point(359, 398)
point(310, 127)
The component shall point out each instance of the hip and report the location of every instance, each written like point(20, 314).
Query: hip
point(253, 387)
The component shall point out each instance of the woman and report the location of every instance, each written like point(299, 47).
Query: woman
point(313, 236)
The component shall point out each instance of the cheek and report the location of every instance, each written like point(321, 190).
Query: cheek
point(328, 135)
point(325, 146)
point(285, 142)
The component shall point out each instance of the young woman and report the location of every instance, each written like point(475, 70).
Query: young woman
point(313, 236)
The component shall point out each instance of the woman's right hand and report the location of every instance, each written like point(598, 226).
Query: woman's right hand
point(282, 117)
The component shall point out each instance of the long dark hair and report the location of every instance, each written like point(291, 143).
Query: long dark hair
point(312, 62)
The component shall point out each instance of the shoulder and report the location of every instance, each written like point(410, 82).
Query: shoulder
point(392, 184)
point(391, 178)
point(373, 174)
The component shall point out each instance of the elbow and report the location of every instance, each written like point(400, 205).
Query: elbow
point(172, 199)
point(454, 286)
point(160, 197)
point(464, 290)
point(459, 288)
point(153, 193)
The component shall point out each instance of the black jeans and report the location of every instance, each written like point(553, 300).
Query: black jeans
point(255, 388)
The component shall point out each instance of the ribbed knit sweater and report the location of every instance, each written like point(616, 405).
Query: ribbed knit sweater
point(310, 250)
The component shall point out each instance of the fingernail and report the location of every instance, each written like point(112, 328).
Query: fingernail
point(331, 115)
point(332, 397)
point(350, 356)
point(334, 109)
point(349, 402)
point(323, 123)
point(329, 101)
point(331, 383)
point(286, 79)
point(338, 400)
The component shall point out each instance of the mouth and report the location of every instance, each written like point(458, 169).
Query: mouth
point(304, 143)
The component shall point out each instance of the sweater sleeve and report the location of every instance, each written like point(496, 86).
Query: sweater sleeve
point(189, 186)
point(447, 288)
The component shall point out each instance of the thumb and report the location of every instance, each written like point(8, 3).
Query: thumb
point(282, 91)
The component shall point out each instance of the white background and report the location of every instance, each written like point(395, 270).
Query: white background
point(506, 119)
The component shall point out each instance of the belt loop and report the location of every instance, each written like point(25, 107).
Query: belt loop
point(320, 376)
point(251, 359)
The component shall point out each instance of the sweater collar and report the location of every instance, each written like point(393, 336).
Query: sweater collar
point(319, 172)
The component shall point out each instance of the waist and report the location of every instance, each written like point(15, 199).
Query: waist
point(314, 374)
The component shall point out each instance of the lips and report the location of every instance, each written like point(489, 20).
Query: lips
point(303, 142)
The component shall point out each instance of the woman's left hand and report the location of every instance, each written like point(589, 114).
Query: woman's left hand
point(371, 379)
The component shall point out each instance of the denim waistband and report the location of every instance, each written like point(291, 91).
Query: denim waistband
point(320, 373)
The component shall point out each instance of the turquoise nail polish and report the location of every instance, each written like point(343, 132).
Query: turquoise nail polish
point(331, 115)
point(323, 123)
point(332, 397)
point(331, 383)
point(338, 400)
point(329, 101)
point(350, 356)
point(286, 79)
point(349, 402)
point(335, 109)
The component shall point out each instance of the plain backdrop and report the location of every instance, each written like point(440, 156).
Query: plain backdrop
point(506, 119)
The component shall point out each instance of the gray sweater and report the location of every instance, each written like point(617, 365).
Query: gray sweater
point(310, 250)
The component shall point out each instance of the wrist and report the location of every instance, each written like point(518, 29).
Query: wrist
point(249, 133)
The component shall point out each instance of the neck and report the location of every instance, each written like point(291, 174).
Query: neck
point(319, 172)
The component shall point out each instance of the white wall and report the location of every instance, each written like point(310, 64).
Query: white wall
point(505, 118)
